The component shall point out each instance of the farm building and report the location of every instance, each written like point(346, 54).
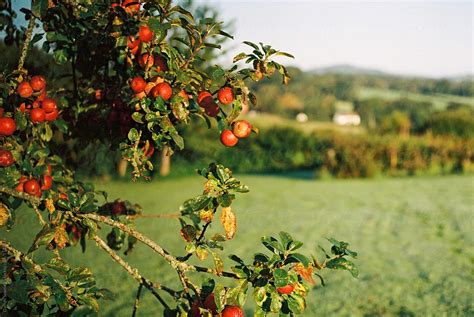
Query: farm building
point(346, 118)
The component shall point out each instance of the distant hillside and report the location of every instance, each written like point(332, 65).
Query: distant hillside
point(346, 69)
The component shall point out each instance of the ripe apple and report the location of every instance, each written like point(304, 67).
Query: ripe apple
point(37, 115)
point(38, 83)
point(225, 95)
point(242, 129)
point(131, 6)
point(49, 105)
point(6, 158)
point(24, 90)
point(287, 289)
point(232, 311)
point(160, 63)
point(7, 126)
point(133, 44)
point(146, 61)
point(138, 84)
point(212, 109)
point(204, 98)
point(162, 89)
point(145, 34)
point(51, 116)
point(47, 182)
point(228, 138)
point(32, 187)
point(210, 304)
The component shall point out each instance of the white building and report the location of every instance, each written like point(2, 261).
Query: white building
point(346, 118)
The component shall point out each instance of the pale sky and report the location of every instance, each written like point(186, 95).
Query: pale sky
point(429, 38)
point(406, 37)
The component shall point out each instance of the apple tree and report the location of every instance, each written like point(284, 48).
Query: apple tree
point(135, 82)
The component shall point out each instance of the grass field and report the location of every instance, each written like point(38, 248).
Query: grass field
point(414, 237)
point(439, 101)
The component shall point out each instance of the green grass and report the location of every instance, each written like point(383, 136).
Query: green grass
point(439, 101)
point(414, 237)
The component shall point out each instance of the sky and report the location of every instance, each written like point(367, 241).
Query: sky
point(423, 38)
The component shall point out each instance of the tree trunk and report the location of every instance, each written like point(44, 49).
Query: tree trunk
point(122, 168)
point(165, 162)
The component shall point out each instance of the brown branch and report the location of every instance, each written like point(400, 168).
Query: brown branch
point(175, 263)
point(37, 269)
point(34, 201)
point(167, 216)
point(137, 300)
point(26, 44)
point(134, 272)
point(21, 195)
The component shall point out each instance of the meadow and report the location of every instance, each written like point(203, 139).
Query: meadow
point(414, 237)
point(439, 101)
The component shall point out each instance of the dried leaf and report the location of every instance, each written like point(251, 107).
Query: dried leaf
point(229, 222)
point(4, 215)
point(206, 215)
point(60, 237)
point(188, 233)
point(50, 205)
point(305, 273)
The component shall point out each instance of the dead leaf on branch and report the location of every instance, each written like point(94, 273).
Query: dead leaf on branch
point(229, 222)
point(305, 273)
point(60, 237)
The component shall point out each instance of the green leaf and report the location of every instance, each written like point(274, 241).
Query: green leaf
point(298, 258)
point(83, 311)
point(239, 57)
point(133, 135)
point(285, 239)
point(255, 46)
point(281, 277)
point(260, 295)
point(296, 303)
point(178, 140)
point(138, 117)
point(343, 264)
point(284, 54)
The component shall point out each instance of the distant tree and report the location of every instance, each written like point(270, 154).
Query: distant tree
point(459, 122)
point(397, 122)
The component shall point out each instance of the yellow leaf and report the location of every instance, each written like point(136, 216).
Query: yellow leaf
point(4, 215)
point(50, 205)
point(229, 222)
point(206, 215)
point(60, 237)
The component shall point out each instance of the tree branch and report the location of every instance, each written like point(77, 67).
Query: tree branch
point(26, 44)
point(134, 272)
point(37, 269)
point(137, 300)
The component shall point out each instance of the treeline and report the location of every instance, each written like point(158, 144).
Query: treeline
point(338, 155)
point(406, 116)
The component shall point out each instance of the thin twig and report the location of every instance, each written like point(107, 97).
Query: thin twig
point(137, 300)
point(134, 272)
